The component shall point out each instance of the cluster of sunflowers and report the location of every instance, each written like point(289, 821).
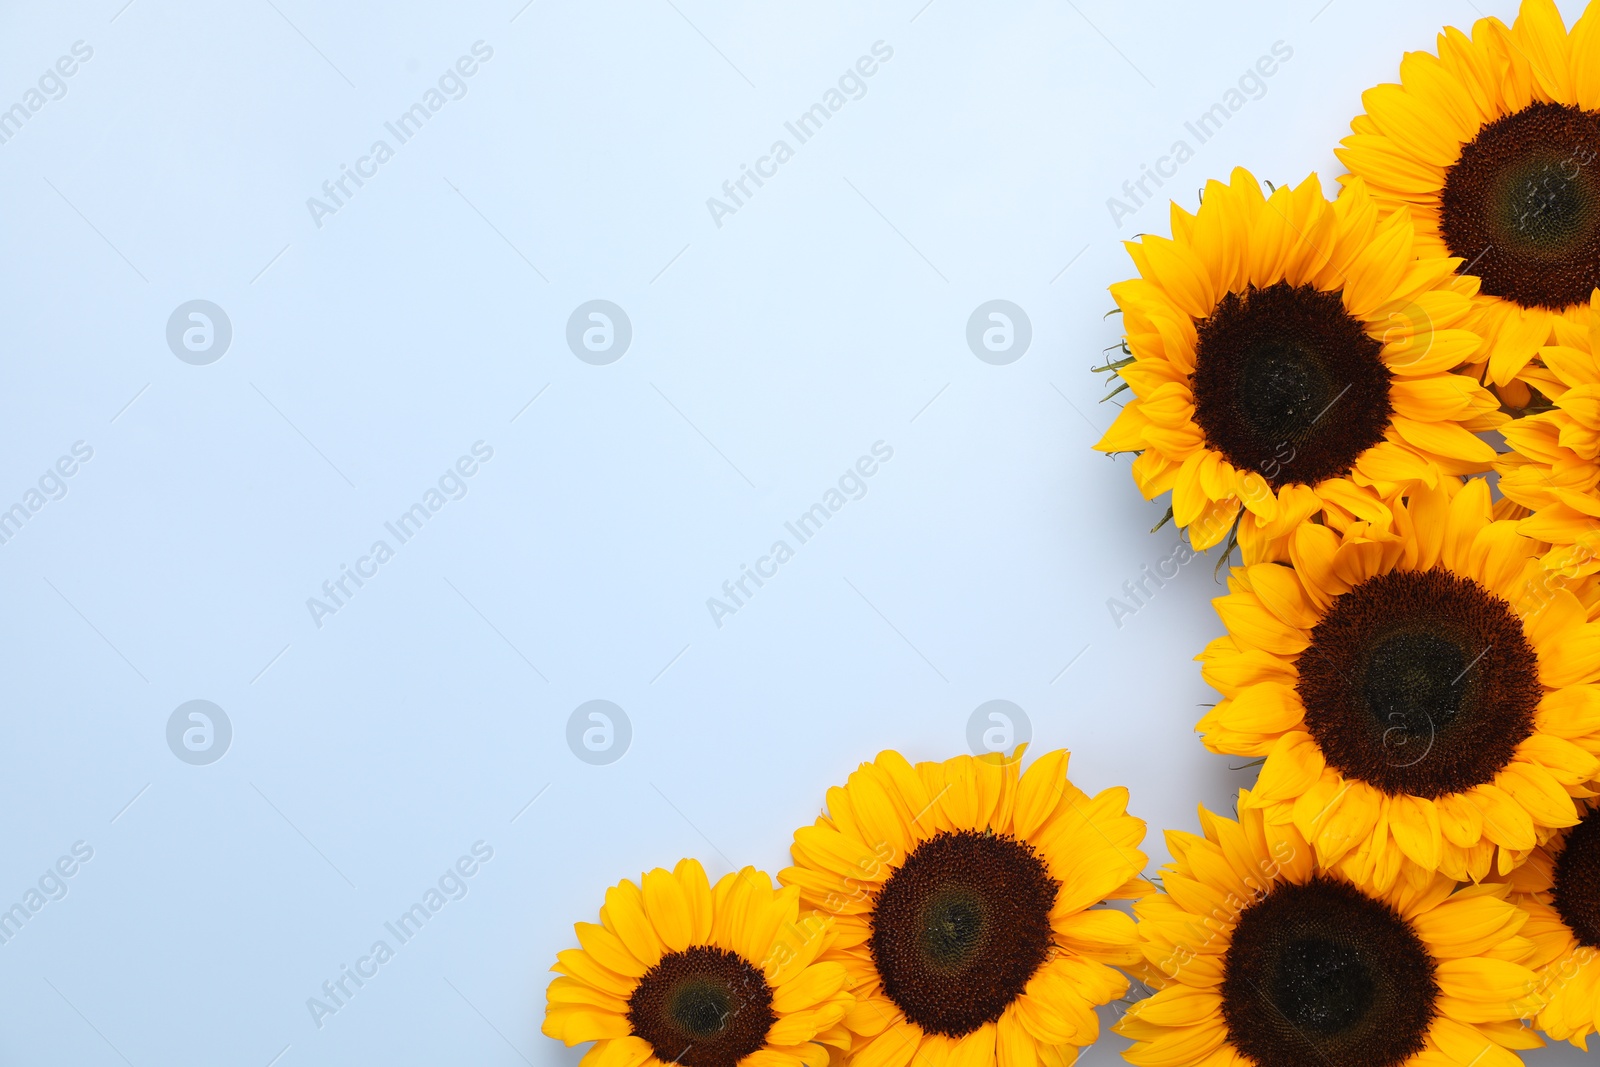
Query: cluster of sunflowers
point(1414, 877)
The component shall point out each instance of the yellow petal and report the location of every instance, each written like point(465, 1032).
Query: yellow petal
point(1505, 822)
point(1248, 619)
point(1282, 593)
point(1039, 792)
point(1180, 273)
point(624, 914)
point(1537, 790)
point(1542, 37)
point(606, 949)
point(584, 1024)
point(770, 1057)
point(627, 1051)
point(1447, 439)
point(1570, 712)
point(668, 907)
point(1585, 42)
point(585, 968)
point(1466, 1044)
point(572, 991)
point(1178, 1047)
point(1268, 708)
point(1460, 820)
point(839, 853)
point(1014, 1046)
point(1568, 764)
point(975, 1049)
point(1575, 660)
point(814, 985)
point(1415, 825)
point(1294, 765)
point(892, 1048)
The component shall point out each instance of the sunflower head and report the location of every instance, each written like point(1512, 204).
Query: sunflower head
point(1261, 956)
point(963, 896)
point(1423, 697)
point(680, 972)
point(1559, 889)
point(1291, 357)
point(1493, 147)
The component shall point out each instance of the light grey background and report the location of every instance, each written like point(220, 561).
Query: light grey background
point(429, 313)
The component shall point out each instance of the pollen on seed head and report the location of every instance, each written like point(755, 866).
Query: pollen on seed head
point(1419, 682)
point(960, 927)
point(1288, 384)
point(1322, 973)
point(1576, 893)
point(1521, 206)
point(702, 1007)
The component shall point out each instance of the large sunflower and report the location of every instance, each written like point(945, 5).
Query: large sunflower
point(1554, 466)
point(1422, 698)
point(1263, 959)
point(1289, 356)
point(679, 972)
point(1494, 146)
point(963, 897)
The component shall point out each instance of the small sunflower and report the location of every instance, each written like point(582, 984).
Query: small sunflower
point(1494, 147)
point(679, 972)
point(1288, 356)
point(964, 902)
point(1554, 466)
point(1559, 888)
point(1422, 698)
point(1261, 958)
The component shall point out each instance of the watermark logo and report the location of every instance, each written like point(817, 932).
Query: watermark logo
point(599, 332)
point(199, 732)
point(997, 726)
point(598, 732)
point(1404, 743)
point(199, 332)
point(999, 332)
point(1408, 337)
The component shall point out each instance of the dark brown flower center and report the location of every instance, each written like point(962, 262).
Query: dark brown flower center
point(1577, 888)
point(702, 1007)
point(1288, 384)
point(1320, 973)
point(960, 928)
point(1522, 206)
point(1419, 682)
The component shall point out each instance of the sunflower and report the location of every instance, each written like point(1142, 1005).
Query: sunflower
point(680, 972)
point(1554, 466)
point(1494, 147)
point(1288, 356)
point(1559, 888)
point(1423, 699)
point(1262, 958)
point(963, 897)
